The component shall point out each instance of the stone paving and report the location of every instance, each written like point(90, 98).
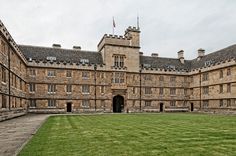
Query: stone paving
point(16, 132)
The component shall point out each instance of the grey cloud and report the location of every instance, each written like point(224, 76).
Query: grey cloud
point(166, 25)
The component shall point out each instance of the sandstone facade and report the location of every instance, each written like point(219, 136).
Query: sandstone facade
point(116, 78)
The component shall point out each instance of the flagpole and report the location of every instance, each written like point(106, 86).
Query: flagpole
point(138, 21)
point(113, 25)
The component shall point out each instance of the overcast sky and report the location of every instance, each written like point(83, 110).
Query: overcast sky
point(167, 26)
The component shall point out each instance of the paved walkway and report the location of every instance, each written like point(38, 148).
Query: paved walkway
point(15, 132)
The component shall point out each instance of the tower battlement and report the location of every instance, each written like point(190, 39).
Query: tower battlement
point(129, 39)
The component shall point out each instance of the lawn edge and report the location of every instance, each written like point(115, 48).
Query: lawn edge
point(17, 152)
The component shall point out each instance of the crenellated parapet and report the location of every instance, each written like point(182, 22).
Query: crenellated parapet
point(152, 70)
point(65, 65)
point(11, 41)
point(130, 39)
point(209, 66)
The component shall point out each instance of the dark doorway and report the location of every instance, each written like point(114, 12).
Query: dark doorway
point(68, 107)
point(118, 104)
point(192, 107)
point(161, 107)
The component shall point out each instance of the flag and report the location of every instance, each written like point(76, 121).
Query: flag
point(114, 23)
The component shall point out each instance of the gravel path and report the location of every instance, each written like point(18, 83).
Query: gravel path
point(16, 132)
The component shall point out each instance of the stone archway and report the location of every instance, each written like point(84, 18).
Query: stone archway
point(118, 104)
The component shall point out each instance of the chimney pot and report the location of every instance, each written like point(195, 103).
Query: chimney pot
point(154, 55)
point(181, 56)
point(56, 45)
point(77, 47)
point(201, 53)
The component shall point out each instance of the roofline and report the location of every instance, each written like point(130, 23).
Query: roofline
point(33, 46)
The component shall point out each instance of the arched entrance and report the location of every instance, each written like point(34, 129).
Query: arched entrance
point(118, 104)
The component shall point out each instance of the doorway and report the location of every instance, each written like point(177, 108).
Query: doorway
point(68, 107)
point(161, 107)
point(192, 107)
point(118, 104)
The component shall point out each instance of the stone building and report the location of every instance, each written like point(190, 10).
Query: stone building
point(115, 78)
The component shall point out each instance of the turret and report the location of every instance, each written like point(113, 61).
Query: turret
point(133, 34)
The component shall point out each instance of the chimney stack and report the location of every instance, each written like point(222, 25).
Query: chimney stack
point(56, 45)
point(76, 47)
point(201, 53)
point(154, 55)
point(181, 56)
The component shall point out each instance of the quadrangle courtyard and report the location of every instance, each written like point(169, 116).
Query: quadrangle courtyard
point(121, 134)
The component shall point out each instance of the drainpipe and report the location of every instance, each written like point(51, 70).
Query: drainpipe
point(9, 77)
point(140, 87)
point(95, 84)
point(200, 83)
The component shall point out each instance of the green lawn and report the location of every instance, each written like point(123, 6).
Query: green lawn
point(135, 134)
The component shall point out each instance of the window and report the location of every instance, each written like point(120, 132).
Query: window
point(191, 79)
point(32, 87)
point(84, 61)
point(172, 103)
point(3, 46)
point(161, 78)
point(68, 88)
point(148, 103)
point(51, 103)
point(118, 77)
point(15, 81)
point(221, 74)
point(4, 75)
point(161, 91)
point(102, 89)
point(147, 77)
point(103, 104)
point(184, 103)
point(133, 103)
point(32, 103)
point(185, 79)
point(205, 90)
point(32, 72)
point(134, 90)
point(172, 91)
point(221, 88)
point(221, 103)
point(51, 73)
point(172, 79)
point(191, 91)
point(228, 103)
point(85, 75)
point(148, 90)
point(205, 103)
point(85, 89)
point(228, 72)
point(4, 101)
point(51, 88)
point(228, 88)
point(20, 84)
point(102, 75)
point(12, 80)
point(85, 103)
point(68, 74)
point(119, 60)
point(185, 91)
point(205, 77)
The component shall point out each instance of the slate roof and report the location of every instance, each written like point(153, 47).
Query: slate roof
point(215, 57)
point(74, 56)
point(62, 55)
point(209, 59)
point(164, 63)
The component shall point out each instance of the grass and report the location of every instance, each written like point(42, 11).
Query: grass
point(135, 134)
